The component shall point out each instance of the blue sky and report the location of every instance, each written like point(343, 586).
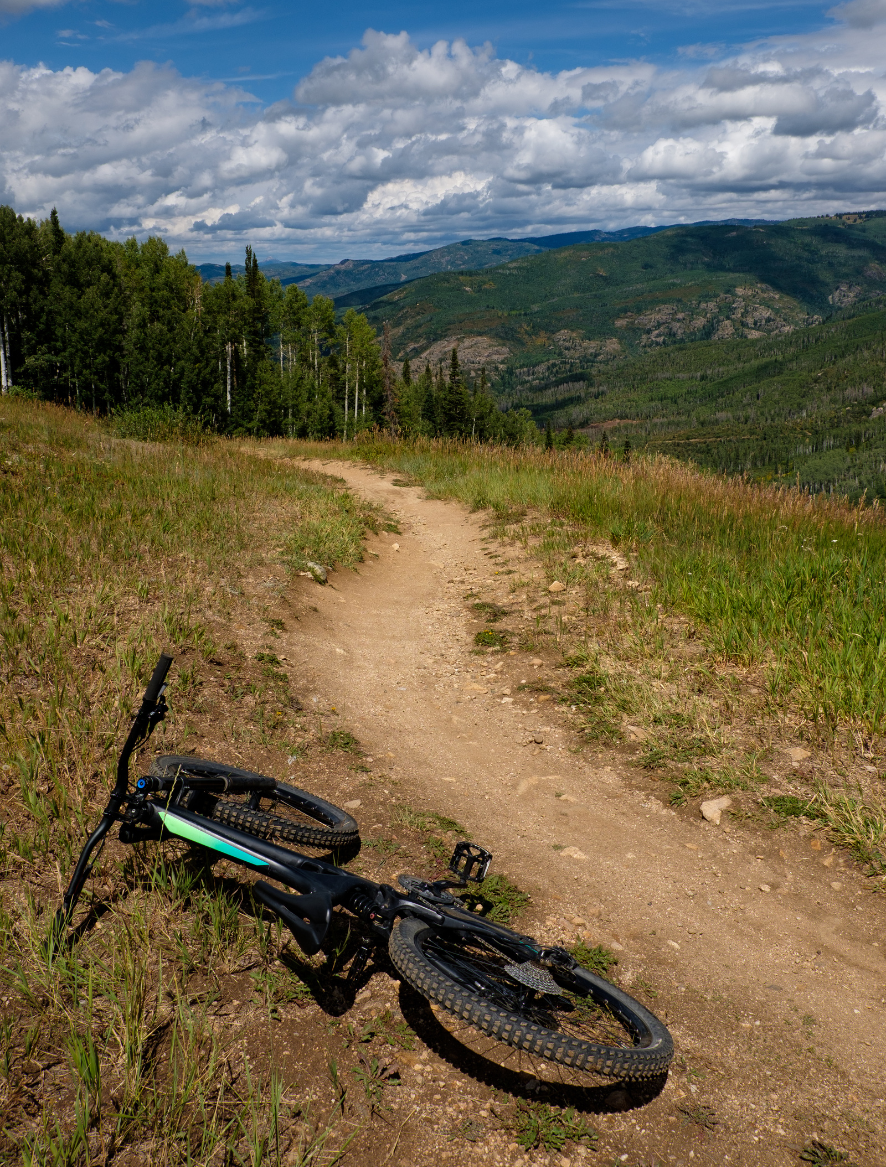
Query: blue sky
point(273, 45)
point(317, 132)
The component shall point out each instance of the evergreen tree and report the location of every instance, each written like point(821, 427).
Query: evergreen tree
point(455, 414)
point(104, 326)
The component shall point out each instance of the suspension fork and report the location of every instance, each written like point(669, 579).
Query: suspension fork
point(152, 710)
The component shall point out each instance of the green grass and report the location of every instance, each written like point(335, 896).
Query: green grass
point(491, 638)
point(698, 780)
point(538, 1126)
point(597, 958)
point(111, 551)
point(497, 898)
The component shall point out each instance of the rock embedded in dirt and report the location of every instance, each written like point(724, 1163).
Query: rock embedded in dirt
point(318, 571)
point(352, 805)
point(798, 754)
point(636, 734)
point(556, 586)
point(713, 808)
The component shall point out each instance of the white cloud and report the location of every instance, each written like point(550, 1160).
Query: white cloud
point(861, 13)
point(396, 147)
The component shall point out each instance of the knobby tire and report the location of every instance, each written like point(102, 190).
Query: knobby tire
point(324, 824)
point(442, 968)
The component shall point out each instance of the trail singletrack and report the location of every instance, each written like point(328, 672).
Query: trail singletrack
point(765, 956)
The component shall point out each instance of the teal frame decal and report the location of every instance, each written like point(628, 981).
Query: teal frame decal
point(195, 834)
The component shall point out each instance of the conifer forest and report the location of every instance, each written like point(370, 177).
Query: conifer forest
point(131, 330)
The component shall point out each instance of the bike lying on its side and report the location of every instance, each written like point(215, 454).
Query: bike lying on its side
point(557, 1019)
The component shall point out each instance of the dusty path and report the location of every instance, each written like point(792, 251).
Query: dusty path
point(767, 964)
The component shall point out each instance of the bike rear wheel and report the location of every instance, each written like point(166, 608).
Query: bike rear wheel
point(281, 813)
point(565, 1027)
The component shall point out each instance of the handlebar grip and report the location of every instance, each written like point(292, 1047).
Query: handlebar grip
point(158, 677)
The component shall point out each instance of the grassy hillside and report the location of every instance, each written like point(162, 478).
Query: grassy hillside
point(778, 579)
point(597, 301)
point(113, 550)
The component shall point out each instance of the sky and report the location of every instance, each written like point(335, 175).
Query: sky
point(320, 132)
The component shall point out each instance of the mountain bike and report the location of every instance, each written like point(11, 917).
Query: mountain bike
point(495, 989)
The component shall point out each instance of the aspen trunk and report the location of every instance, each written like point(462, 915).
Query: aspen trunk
point(4, 371)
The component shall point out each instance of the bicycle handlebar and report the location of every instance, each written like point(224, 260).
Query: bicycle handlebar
point(157, 678)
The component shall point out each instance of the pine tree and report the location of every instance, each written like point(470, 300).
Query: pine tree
point(455, 416)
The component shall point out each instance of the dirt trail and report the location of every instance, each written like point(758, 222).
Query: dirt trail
point(767, 963)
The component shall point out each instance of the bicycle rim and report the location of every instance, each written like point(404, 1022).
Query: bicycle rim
point(283, 814)
point(585, 1031)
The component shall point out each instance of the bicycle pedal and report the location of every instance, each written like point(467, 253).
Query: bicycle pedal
point(470, 862)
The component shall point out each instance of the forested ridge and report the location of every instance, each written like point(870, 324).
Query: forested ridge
point(130, 329)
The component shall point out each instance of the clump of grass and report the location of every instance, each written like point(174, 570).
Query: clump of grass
point(269, 658)
point(374, 1075)
point(497, 898)
point(160, 423)
point(702, 780)
point(426, 821)
point(787, 806)
point(468, 1129)
point(597, 959)
point(851, 821)
point(677, 741)
point(700, 1115)
point(601, 699)
point(341, 739)
point(537, 1125)
point(492, 612)
point(491, 638)
point(820, 1154)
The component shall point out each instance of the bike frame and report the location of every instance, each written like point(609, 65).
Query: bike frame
point(154, 810)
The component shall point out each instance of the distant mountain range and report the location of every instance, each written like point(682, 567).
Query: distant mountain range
point(603, 300)
point(356, 282)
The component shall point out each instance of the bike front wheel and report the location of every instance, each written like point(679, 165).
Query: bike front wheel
point(564, 1026)
point(280, 813)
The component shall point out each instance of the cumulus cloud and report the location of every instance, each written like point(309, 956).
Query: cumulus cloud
point(394, 146)
point(861, 13)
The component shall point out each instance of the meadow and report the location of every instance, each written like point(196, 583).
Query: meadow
point(113, 550)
